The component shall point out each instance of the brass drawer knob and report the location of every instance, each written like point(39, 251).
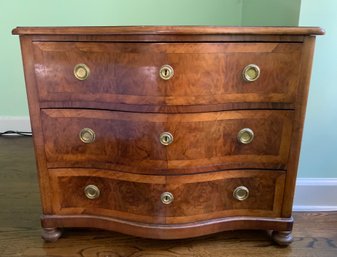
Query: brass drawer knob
point(166, 138)
point(166, 72)
point(87, 135)
point(251, 72)
point(92, 192)
point(241, 193)
point(245, 136)
point(166, 198)
point(81, 71)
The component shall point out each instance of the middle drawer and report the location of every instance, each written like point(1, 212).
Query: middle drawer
point(174, 143)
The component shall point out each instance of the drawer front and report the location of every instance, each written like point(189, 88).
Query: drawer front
point(172, 199)
point(211, 141)
point(201, 142)
point(204, 73)
point(107, 193)
point(224, 194)
point(121, 141)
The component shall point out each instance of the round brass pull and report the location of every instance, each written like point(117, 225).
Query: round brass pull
point(87, 135)
point(92, 192)
point(241, 193)
point(81, 71)
point(251, 72)
point(166, 198)
point(166, 72)
point(245, 136)
point(166, 138)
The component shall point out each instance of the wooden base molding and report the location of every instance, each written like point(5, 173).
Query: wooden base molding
point(164, 231)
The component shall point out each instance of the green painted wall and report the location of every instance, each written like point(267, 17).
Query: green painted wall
point(319, 147)
point(270, 12)
point(98, 12)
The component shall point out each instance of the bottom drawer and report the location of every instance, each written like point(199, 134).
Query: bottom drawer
point(167, 199)
point(224, 194)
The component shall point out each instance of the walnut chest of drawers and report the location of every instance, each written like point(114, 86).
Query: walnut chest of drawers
point(167, 132)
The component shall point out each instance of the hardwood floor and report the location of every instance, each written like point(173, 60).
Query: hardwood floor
point(315, 233)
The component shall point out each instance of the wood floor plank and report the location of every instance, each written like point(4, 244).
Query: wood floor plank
point(315, 233)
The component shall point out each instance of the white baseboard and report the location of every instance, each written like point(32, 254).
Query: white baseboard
point(316, 194)
point(312, 194)
point(20, 123)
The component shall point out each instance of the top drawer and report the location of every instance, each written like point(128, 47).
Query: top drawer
point(204, 73)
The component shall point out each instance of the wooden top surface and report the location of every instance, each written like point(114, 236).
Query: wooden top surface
point(173, 30)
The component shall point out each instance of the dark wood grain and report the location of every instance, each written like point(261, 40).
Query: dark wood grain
point(138, 197)
point(202, 142)
point(122, 196)
point(126, 73)
point(126, 141)
point(208, 141)
point(210, 196)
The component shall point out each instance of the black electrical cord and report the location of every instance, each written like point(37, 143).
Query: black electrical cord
point(18, 133)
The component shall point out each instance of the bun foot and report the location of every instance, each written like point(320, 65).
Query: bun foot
point(51, 234)
point(282, 238)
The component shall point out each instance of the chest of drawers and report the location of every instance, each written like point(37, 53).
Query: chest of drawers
point(167, 132)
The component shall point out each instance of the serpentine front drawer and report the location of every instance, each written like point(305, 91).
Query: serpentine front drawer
point(166, 200)
point(200, 142)
point(197, 73)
